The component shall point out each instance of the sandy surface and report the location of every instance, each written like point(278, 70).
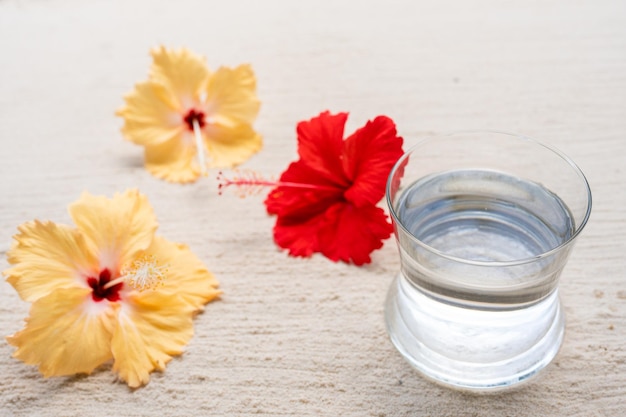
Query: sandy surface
point(306, 337)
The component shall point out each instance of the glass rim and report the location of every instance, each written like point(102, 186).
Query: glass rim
point(509, 135)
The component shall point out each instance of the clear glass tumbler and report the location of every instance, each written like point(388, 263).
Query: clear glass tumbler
point(485, 222)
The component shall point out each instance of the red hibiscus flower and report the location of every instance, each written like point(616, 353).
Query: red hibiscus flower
point(326, 201)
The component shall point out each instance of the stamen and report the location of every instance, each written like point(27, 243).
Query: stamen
point(144, 273)
point(246, 182)
point(200, 149)
point(251, 182)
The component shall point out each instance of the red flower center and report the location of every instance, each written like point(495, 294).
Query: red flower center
point(99, 293)
point(194, 116)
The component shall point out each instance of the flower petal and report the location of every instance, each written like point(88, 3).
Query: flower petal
point(174, 160)
point(62, 336)
point(300, 237)
point(231, 96)
point(368, 156)
point(183, 73)
point(320, 144)
point(186, 274)
point(116, 228)
point(350, 233)
point(151, 329)
point(149, 117)
point(229, 146)
point(46, 256)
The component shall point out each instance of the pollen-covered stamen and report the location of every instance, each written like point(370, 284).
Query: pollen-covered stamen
point(251, 182)
point(144, 273)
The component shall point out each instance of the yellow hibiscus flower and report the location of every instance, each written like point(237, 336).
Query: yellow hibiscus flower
point(86, 285)
point(189, 118)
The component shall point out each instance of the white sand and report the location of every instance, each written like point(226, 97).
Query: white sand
point(306, 337)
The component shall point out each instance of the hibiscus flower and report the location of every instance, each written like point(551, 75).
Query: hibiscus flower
point(108, 289)
point(189, 118)
point(327, 200)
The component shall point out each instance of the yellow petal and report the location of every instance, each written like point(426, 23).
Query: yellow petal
point(46, 256)
point(229, 146)
point(183, 73)
point(231, 96)
point(174, 160)
point(149, 116)
point(116, 228)
point(151, 329)
point(62, 336)
point(186, 274)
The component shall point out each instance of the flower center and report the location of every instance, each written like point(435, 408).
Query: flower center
point(100, 290)
point(193, 115)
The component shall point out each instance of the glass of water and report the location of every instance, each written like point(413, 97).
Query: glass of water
point(485, 222)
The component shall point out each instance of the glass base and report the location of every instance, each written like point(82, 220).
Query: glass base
point(469, 349)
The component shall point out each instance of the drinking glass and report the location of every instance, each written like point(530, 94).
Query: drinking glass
point(485, 223)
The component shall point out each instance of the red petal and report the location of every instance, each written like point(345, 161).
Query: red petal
point(350, 233)
point(369, 154)
point(299, 237)
point(320, 144)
